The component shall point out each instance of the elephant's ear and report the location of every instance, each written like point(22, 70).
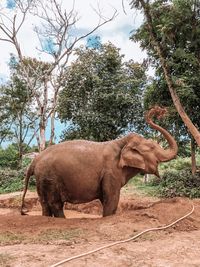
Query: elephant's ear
point(132, 158)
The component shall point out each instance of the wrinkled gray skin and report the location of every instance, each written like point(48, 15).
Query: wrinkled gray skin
point(80, 171)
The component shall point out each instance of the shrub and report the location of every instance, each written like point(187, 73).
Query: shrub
point(179, 183)
point(13, 180)
point(9, 157)
point(178, 164)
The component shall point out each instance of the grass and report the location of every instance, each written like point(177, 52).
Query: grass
point(57, 234)
point(136, 186)
point(151, 236)
point(9, 238)
point(49, 235)
point(5, 260)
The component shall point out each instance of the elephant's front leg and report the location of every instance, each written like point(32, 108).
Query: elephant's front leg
point(111, 192)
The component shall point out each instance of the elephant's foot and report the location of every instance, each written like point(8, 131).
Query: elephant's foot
point(110, 205)
point(108, 212)
point(46, 211)
point(58, 213)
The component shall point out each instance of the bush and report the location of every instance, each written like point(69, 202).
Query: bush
point(178, 164)
point(179, 183)
point(9, 157)
point(13, 180)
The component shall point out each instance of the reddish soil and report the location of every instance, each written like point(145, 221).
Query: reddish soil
point(34, 240)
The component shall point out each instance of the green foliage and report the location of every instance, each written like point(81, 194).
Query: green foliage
point(9, 157)
point(12, 180)
point(179, 183)
point(102, 95)
point(178, 164)
point(16, 116)
point(176, 180)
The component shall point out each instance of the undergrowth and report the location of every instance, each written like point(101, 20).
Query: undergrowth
point(12, 180)
point(178, 183)
point(176, 180)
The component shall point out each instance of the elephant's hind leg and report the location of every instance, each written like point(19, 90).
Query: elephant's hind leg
point(50, 199)
point(43, 197)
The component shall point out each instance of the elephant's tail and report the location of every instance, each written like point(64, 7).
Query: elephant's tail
point(29, 173)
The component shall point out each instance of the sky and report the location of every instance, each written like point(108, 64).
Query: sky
point(117, 31)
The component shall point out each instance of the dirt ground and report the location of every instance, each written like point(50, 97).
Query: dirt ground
point(34, 240)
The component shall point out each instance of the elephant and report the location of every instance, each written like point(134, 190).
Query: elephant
point(80, 171)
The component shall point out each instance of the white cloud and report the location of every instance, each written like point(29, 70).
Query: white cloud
point(117, 31)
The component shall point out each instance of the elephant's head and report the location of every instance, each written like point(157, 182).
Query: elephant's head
point(145, 154)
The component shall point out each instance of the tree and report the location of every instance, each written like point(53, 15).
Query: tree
point(102, 96)
point(16, 105)
point(166, 22)
point(5, 132)
point(57, 40)
point(40, 95)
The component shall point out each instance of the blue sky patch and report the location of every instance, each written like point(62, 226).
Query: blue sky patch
point(10, 4)
point(48, 45)
point(94, 41)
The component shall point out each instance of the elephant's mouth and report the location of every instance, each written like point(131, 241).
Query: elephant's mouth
point(155, 172)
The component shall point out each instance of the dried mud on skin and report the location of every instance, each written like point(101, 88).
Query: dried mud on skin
point(35, 240)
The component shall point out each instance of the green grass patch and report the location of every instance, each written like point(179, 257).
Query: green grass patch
point(57, 234)
point(136, 186)
point(50, 235)
point(5, 260)
point(9, 238)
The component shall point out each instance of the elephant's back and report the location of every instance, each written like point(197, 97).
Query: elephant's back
point(75, 147)
point(71, 157)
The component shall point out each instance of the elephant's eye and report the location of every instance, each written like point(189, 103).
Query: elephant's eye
point(152, 146)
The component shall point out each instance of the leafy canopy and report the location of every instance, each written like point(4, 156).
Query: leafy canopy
point(102, 94)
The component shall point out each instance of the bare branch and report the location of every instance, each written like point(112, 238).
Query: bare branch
point(6, 31)
point(123, 7)
point(6, 40)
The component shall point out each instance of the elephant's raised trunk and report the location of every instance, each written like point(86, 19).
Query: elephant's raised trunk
point(172, 150)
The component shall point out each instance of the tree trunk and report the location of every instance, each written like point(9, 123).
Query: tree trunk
point(191, 128)
point(52, 136)
point(20, 142)
point(42, 138)
point(38, 140)
point(193, 156)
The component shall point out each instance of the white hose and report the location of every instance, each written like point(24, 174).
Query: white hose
point(124, 241)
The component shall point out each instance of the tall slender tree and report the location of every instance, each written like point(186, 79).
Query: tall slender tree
point(16, 105)
point(165, 23)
